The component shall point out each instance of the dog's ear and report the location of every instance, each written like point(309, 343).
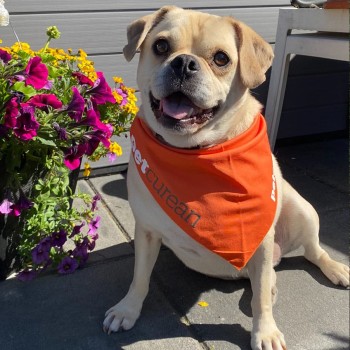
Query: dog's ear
point(255, 55)
point(138, 30)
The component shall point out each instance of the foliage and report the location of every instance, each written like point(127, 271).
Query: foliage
point(54, 109)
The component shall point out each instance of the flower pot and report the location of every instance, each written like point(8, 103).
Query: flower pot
point(12, 226)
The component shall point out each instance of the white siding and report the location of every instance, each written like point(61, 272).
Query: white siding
point(99, 27)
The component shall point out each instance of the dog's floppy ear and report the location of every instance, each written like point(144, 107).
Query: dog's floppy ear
point(138, 30)
point(255, 55)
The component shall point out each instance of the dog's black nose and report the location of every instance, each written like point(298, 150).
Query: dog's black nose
point(185, 66)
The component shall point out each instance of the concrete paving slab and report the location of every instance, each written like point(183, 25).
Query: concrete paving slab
point(113, 190)
point(321, 195)
point(326, 161)
point(66, 312)
point(226, 322)
point(312, 313)
point(111, 242)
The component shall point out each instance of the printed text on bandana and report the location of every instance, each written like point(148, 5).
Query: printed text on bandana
point(160, 189)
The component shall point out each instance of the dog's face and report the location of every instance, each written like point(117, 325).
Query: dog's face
point(194, 72)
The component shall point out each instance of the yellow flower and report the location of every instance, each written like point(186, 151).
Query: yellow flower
point(86, 66)
point(131, 108)
point(118, 80)
point(203, 303)
point(19, 46)
point(82, 53)
point(117, 97)
point(116, 148)
point(87, 170)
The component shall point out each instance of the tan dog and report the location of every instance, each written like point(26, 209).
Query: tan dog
point(194, 73)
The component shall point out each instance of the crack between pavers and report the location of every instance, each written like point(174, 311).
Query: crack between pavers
point(114, 219)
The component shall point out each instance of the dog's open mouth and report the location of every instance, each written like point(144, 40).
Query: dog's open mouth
point(177, 110)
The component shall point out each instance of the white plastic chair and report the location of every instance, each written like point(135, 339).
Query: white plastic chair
point(330, 41)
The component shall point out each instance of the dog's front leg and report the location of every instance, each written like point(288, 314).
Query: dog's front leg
point(124, 314)
point(265, 334)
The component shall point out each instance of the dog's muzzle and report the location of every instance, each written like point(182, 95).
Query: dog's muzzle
point(177, 111)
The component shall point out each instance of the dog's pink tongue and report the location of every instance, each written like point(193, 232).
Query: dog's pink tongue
point(177, 107)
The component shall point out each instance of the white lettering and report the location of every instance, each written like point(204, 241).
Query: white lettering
point(138, 157)
point(273, 192)
point(170, 199)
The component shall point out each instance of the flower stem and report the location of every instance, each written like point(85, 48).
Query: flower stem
point(14, 32)
point(47, 44)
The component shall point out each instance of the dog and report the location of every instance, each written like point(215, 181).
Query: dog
point(200, 138)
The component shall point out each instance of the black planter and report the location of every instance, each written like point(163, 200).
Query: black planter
point(11, 227)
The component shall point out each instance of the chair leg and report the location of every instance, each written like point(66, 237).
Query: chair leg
point(278, 80)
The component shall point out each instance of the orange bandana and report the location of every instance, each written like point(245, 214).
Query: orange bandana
point(224, 196)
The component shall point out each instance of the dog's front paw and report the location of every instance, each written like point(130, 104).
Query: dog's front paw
point(268, 337)
point(121, 316)
point(337, 272)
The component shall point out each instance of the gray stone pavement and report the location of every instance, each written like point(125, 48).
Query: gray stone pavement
point(66, 312)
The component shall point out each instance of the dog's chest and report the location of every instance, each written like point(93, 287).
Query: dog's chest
point(151, 219)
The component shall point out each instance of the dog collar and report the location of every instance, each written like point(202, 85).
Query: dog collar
point(223, 196)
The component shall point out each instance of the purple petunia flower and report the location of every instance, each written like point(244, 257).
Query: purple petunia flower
point(75, 108)
point(67, 265)
point(83, 79)
point(95, 199)
point(76, 229)
point(92, 244)
point(41, 253)
point(101, 92)
point(48, 85)
point(101, 131)
point(93, 226)
point(27, 275)
point(92, 119)
point(11, 112)
point(5, 206)
point(73, 155)
point(81, 250)
point(59, 238)
point(111, 157)
point(91, 145)
point(4, 130)
point(42, 102)
point(23, 204)
point(102, 137)
point(124, 97)
point(62, 133)
point(36, 73)
point(5, 56)
point(26, 125)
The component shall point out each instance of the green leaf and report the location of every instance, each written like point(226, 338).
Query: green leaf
point(46, 142)
point(28, 91)
point(38, 187)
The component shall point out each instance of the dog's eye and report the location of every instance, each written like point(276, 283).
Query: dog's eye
point(161, 47)
point(221, 59)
